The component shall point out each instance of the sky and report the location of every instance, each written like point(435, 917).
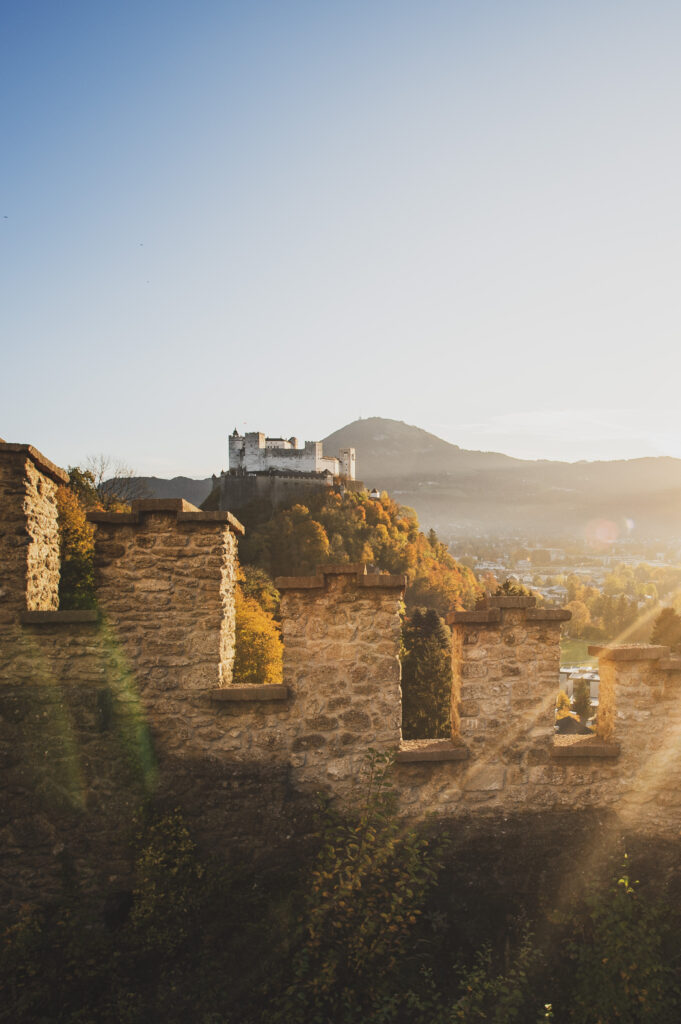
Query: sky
point(283, 215)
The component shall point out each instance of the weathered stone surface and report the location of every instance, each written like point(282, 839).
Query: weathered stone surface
point(99, 715)
point(485, 777)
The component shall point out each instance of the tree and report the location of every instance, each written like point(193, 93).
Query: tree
point(512, 588)
point(667, 630)
point(426, 676)
point(257, 584)
point(258, 651)
point(105, 482)
point(562, 704)
point(76, 551)
point(581, 700)
point(581, 618)
point(352, 527)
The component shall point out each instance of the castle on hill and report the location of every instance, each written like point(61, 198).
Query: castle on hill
point(255, 453)
point(278, 470)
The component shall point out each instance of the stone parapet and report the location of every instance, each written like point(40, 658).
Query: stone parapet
point(505, 664)
point(630, 652)
point(183, 511)
point(165, 577)
point(341, 664)
point(29, 537)
point(357, 570)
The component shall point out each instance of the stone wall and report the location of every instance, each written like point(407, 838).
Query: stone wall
point(341, 633)
point(29, 543)
point(505, 665)
point(101, 712)
point(165, 578)
point(235, 490)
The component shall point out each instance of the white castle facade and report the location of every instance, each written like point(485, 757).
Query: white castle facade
point(255, 453)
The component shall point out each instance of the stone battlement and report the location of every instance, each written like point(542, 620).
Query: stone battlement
point(101, 709)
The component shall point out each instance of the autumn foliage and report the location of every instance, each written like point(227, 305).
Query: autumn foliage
point(76, 550)
point(353, 527)
point(258, 648)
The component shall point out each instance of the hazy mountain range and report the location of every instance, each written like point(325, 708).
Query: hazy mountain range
point(462, 492)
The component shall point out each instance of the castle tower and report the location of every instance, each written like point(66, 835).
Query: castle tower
point(347, 462)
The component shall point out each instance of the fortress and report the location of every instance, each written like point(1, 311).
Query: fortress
point(278, 471)
point(255, 453)
point(102, 711)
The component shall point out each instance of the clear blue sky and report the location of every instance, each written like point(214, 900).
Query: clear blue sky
point(284, 215)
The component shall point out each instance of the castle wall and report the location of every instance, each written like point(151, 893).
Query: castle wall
point(165, 577)
point(254, 453)
point(341, 633)
point(236, 491)
point(102, 711)
point(29, 542)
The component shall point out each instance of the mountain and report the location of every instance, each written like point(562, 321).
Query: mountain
point(462, 492)
point(185, 487)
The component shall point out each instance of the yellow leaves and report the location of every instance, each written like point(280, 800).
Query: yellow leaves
point(258, 650)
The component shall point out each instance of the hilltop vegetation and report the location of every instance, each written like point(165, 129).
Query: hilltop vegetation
point(353, 527)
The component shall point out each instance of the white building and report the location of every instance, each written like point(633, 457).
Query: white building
point(255, 453)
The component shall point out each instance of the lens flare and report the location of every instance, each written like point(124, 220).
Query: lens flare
point(600, 534)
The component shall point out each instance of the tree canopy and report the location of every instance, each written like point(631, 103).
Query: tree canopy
point(426, 676)
point(353, 527)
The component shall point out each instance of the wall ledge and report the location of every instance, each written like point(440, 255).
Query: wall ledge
point(421, 751)
point(371, 581)
point(480, 616)
point(299, 582)
point(669, 664)
point(42, 463)
point(585, 748)
point(548, 615)
point(382, 581)
point(183, 510)
point(59, 618)
point(342, 569)
point(265, 691)
point(630, 652)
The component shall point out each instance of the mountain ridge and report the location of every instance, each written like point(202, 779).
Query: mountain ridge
point(460, 491)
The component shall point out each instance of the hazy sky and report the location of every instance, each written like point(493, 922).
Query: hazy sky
point(284, 215)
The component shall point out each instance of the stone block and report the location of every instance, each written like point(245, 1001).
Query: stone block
point(485, 778)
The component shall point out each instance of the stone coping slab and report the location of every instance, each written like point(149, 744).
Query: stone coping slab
point(368, 582)
point(183, 510)
point(415, 751)
point(630, 652)
point(591, 747)
point(479, 617)
point(299, 582)
point(60, 476)
point(342, 568)
point(59, 618)
point(383, 581)
point(266, 691)
point(669, 664)
point(548, 615)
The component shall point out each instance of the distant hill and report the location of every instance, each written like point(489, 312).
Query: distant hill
point(195, 491)
point(461, 492)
